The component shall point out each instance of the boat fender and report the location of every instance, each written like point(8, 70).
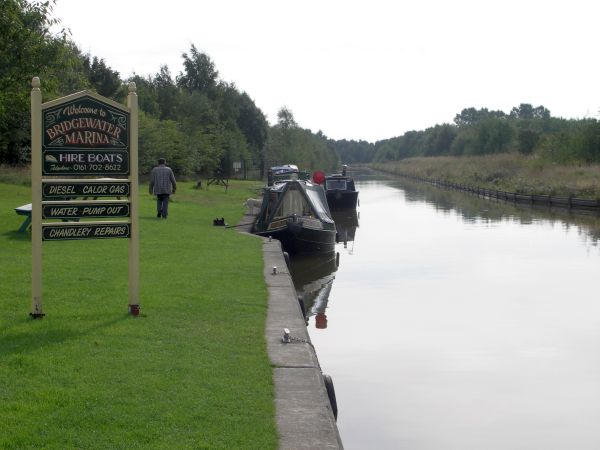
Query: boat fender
point(331, 394)
point(302, 308)
point(337, 259)
point(286, 256)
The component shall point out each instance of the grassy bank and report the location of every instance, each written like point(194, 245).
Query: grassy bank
point(507, 172)
point(191, 372)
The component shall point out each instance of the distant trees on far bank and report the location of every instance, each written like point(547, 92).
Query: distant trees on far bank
point(526, 130)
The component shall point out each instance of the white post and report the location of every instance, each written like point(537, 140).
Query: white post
point(36, 199)
point(134, 241)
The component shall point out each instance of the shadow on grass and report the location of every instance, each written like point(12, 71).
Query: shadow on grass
point(31, 340)
point(149, 218)
point(17, 235)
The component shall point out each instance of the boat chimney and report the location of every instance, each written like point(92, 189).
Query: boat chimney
point(344, 167)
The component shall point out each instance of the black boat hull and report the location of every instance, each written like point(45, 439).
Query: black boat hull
point(342, 199)
point(303, 240)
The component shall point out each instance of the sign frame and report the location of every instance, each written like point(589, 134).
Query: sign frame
point(103, 133)
point(85, 134)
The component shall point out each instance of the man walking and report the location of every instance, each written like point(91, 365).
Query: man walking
point(162, 184)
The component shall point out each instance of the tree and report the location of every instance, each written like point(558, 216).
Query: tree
point(27, 49)
point(290, 144)
point(253, 123)
point(470, 116)
point(102, 78)
point(523, 111)
point(438, 140)
point(586, 141)
point(148, 101)
point(200, 73)
point(167, 94)
point(162, 138)
point(351, 152)
point(467, 116)
point(285, 118)
point(526, 111)
point(527, 139)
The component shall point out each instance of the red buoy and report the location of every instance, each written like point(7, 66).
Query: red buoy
point(318, 177)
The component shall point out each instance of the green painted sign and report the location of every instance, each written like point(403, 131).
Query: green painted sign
point(84, 188)
point(70, 210)
point(79, 162)
point(80, 231)
point(85, 136)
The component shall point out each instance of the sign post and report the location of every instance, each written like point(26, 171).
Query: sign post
point(36, 199)
point(134, 240)
point(74, 138)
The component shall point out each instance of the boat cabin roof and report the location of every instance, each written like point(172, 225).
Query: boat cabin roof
point(286, 168)
point(313, 194)
point(288, 172)
point(339, 182)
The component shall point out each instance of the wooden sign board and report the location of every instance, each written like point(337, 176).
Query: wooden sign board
point(74, 138)
point(85, 136)
point(84, 188)
point(85, 230)
point(95, 209)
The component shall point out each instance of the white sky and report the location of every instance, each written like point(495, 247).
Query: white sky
point(369, 69)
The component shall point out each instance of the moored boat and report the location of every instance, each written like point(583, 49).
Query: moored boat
point(295, 212)
point(340, 191)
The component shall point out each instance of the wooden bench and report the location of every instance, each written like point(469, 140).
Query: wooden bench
point(24, 210)
point(218, 180)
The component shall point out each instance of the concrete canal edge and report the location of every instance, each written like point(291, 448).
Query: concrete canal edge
point(304, 416)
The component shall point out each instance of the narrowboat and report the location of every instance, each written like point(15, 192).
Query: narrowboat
point(340, 191)
point(295, 212)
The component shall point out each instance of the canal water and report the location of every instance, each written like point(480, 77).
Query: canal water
point(453, 322)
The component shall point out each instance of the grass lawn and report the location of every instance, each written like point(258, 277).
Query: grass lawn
point(191, 371)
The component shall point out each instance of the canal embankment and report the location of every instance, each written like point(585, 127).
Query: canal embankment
point(304, 415)
point(569, 202)
point(511, 173)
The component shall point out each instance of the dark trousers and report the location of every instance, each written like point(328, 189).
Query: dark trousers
point(162, 205)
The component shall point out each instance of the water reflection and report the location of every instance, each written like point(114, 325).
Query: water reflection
point(487, 324)
point(313, 276)
point(346, 223)
point(473, 208)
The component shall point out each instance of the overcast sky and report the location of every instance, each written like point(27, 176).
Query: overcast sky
point(369, 69)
